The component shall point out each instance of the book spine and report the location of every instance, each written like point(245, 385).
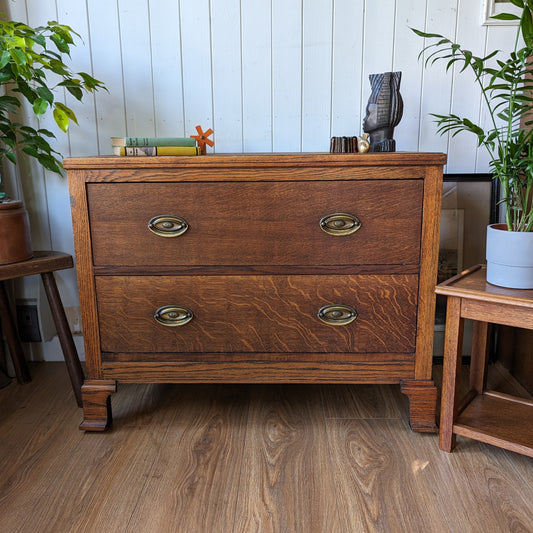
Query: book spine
point(343, 145)
point(153, 141)
point(155, 150)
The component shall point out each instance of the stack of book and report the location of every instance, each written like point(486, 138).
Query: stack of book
point(153, 146)
point(343, 145)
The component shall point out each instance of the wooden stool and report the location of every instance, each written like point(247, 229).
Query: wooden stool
point(492, 417)
point(43, 263)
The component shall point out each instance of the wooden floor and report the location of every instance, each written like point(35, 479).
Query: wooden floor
point(259, 458)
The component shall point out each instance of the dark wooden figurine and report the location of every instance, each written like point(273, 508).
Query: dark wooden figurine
point(383, 111)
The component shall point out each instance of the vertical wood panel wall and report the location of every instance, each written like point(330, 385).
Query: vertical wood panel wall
point(269, 75)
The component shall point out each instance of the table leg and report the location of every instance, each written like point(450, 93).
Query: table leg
point(479, 357)
point(65, 336)
point(13, 342)
point(451, 377)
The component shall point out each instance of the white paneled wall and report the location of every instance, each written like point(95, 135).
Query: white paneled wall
point(266, 75)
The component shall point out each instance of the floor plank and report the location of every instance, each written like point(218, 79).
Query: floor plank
point(380, 482)
point(239, 458)
point(477, 486)
point(361, 401)
point(113, 467)
point(488, 489)
point(93, 483)
point(193, 485)
point(35, 435)
point(286, 484)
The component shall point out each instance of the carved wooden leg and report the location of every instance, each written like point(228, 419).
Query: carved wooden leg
point(96, 395)
point(422, 396)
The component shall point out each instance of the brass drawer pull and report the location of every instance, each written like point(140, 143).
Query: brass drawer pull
point(340, 224)
point(337, 315)
point(173, 315)
point(168, 226)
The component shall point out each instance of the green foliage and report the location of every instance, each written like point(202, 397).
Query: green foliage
point(27, 56)
point(507, 88)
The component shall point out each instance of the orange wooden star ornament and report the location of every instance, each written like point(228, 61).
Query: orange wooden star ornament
point(202, 138)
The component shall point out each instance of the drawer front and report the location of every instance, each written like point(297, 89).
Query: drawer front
point(247, 314)
point(274, 223)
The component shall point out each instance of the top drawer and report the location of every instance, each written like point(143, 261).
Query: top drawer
point(256, 223)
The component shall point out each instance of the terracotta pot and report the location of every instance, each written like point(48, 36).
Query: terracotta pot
point(509, 257)
point(15, 241)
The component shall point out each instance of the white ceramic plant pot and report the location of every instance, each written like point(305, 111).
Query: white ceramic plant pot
point(509, 257)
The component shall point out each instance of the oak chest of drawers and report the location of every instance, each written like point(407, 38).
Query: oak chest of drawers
point(287, 268)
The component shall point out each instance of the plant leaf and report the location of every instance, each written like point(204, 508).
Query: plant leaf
point(46, 94)
point(68, 112)
point(40, 106)
point(4, 58)
point(505, 16)
point(61, 119)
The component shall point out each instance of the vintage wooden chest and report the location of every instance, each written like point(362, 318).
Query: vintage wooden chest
point(272, 268)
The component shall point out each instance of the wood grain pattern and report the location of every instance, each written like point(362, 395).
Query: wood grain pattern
point(478, 486)
point(422, 404)
point(428, 271)
point(472, 284)
point(492, 312)
point(42, 261)
point(35, 434)
point(479, 358)
point(84, 269)
point(253, 223)
point(100, 479)
point(274, 270)
point(500, 420)
point(257, 314)
point(287, 484)
point(260, 372)
point(261, 160)
point(377, 478)
point(97, 414)
point(497, 419)
point(200, 458)
point(252, 219)
point(195, 479)
point(363, 401)
point(451, 372)
point(164, 171)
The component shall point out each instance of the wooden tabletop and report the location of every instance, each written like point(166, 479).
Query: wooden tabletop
point(261, 160)
point(472, 283)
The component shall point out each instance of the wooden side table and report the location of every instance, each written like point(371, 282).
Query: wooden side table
point(487, 416)
point(43, 263)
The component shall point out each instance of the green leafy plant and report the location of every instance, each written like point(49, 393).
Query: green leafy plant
point(507, 90)
point(27, 56)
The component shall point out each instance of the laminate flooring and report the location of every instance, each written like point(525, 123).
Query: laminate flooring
point(246, 459)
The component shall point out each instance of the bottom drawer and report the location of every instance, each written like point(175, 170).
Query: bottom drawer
point(248, 314)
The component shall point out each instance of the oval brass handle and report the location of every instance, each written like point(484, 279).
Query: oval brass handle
point(337, 315)
point(173, 315)
point(168, 225)
point(340, 224)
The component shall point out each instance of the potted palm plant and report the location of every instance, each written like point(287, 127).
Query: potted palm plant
point(506, 86)
point(27, 56)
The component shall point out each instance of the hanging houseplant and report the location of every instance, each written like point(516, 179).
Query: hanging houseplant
point(507, 87)
point(27, 56)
